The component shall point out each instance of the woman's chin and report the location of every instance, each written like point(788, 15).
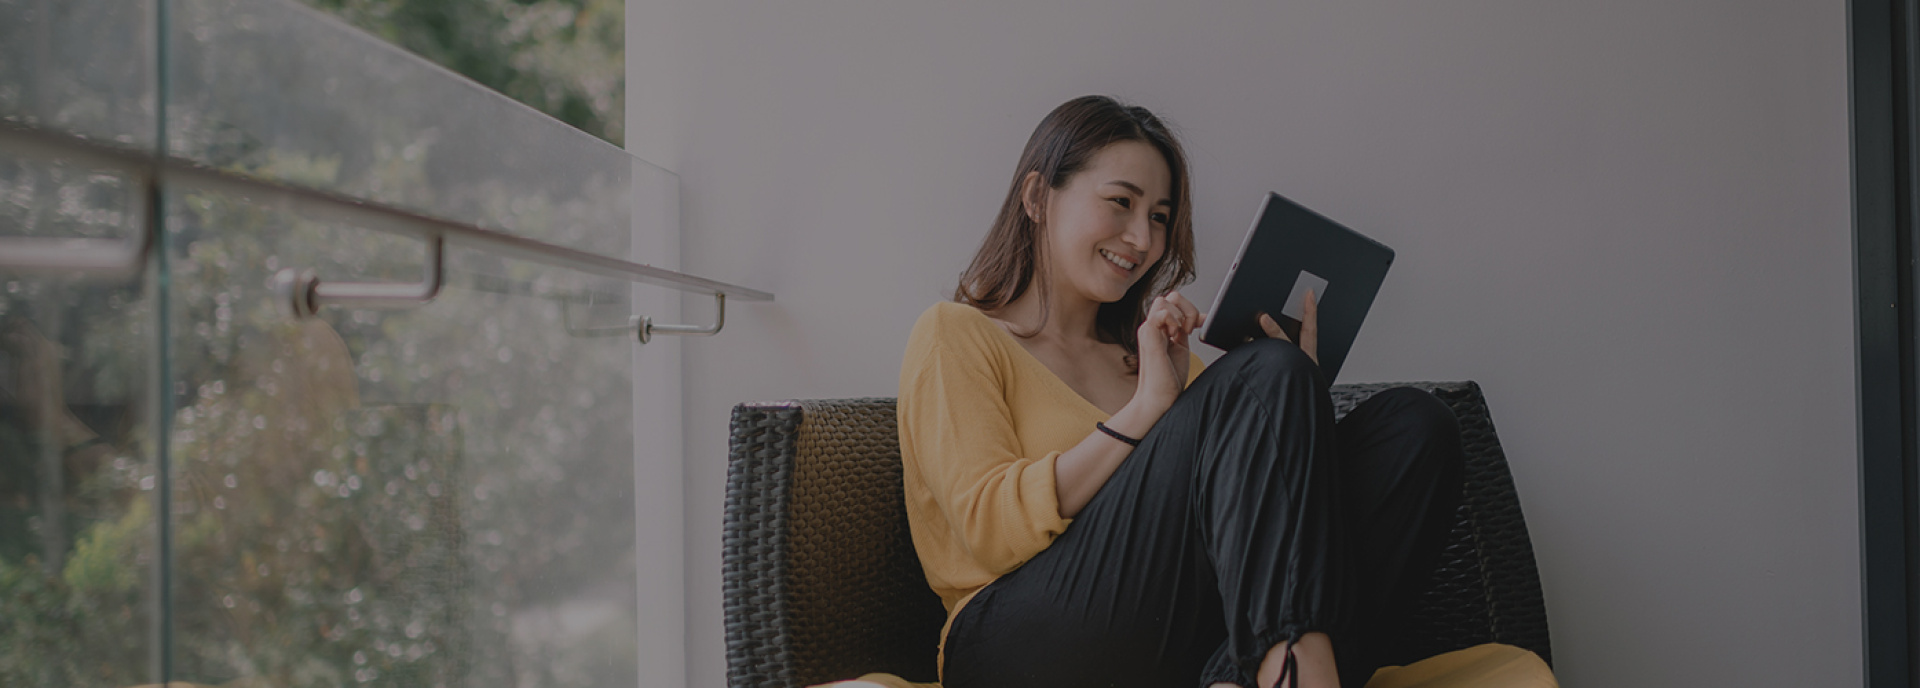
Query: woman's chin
point(1107, 292)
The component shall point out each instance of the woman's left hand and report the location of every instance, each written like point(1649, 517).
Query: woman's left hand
point(1309, 327)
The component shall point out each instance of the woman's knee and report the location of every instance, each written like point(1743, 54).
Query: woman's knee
point(1414, 412)
point(1268, 361)
point(1415, 403)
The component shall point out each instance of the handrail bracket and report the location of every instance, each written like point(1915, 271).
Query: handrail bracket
point(645, 328)
point(302, 293)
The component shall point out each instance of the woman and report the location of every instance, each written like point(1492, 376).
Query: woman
point(1095, 510)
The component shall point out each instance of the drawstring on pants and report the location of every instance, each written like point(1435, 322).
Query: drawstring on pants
point(1289, 670)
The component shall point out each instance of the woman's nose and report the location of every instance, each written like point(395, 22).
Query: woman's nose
point(1139, 233)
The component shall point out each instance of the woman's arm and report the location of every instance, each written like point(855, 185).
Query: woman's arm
point(1079, 472)
point(1164, 359)
point(957, 439)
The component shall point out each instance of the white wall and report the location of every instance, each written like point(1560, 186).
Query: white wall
point(658, 421)
point(1627, 220)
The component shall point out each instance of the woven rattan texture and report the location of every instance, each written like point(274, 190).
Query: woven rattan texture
point(1485, 586)
point(830, 587)
point(821, 581)
point(858, 597)
point(754, 550)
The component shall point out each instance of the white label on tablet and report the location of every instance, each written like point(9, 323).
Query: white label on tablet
point(1297, 300)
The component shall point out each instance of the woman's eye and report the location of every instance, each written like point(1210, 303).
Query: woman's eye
point(1160, 218)
point(1124, 202)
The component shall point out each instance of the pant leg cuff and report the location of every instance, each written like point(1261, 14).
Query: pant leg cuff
point(1225, 668)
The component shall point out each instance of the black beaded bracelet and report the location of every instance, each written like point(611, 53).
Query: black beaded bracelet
point(1116, 434)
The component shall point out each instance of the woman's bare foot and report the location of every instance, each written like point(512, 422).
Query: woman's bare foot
point(1313, 659)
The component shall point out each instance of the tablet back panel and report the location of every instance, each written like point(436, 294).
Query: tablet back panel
point(1288, 250)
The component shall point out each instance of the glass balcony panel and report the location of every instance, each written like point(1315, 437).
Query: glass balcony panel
point(82, 67)
point(434, 496)
point(349, 113)
point(77, 485)
point(79, 540)
point(79, 481)
point(440, 495)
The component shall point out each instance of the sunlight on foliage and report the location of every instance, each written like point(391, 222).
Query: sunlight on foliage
point(562, 57)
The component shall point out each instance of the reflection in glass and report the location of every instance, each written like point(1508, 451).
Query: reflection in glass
point(79, 538)
point(77, 534)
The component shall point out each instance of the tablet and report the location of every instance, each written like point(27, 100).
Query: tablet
point(1289, 250)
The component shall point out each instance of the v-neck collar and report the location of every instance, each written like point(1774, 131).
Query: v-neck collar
point(1037, 363)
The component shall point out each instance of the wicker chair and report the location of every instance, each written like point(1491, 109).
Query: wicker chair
point(822, 584)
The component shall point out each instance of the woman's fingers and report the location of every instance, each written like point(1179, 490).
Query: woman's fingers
point(1273, 328)
point(1190, 316)
point(1173, 316)
point(1156, 322)
point(1310, 325)
point(1178, 317)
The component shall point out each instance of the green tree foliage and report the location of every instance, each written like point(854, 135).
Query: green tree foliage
point(563, 57)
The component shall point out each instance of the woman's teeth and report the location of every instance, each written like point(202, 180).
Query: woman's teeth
point(1117, 260)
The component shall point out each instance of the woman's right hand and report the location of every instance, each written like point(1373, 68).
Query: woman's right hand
point(1164, 353)
point(1161, 374)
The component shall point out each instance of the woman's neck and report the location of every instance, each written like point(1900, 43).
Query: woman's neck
point(1061, 318)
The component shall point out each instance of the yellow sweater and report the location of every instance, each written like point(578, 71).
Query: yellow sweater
point(981, 423)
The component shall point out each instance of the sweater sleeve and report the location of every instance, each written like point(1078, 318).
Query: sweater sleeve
point(957, 430)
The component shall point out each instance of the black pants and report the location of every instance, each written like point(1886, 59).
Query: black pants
point(1246, 517)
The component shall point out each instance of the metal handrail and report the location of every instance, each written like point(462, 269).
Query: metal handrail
point(92, 257)
point(305, 293)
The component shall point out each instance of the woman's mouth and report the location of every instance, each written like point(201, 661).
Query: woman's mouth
point(1125, 265)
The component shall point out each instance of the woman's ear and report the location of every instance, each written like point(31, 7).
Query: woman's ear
point(1033, 196)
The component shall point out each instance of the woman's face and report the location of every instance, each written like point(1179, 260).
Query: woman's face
point(1108, 224)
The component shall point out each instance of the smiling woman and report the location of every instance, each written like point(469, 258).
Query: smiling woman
point(1093, 509)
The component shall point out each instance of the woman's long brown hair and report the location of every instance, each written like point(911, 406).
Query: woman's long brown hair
point(1010, 260)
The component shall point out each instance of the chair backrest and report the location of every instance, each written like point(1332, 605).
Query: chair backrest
point(821, 582)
